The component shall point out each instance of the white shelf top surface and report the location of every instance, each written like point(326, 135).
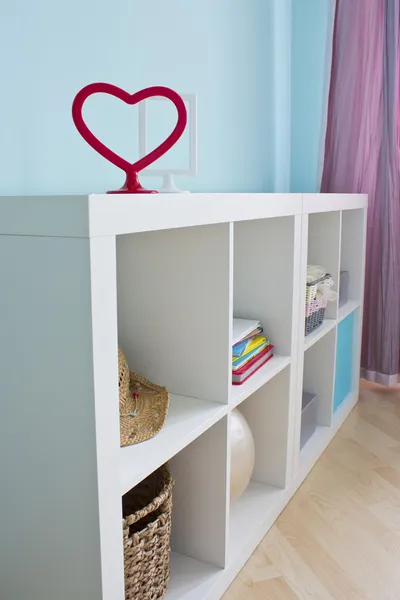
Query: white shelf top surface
point(98, 215)
point(315, 203)
point(250, 512)
point(328, 324)
point(115, 214)
point(187, 419)
point(347, 309)
point(314, 447)
point(191, 579)
point(259, 378)
point(250, 518)
point(319, 333)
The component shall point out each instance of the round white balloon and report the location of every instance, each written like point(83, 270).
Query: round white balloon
point(242, 454)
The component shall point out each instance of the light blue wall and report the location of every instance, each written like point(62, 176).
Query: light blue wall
point(221, 49)
point(282, 95)
point(312, 22)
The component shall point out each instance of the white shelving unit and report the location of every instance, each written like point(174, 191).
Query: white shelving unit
point(163, 276)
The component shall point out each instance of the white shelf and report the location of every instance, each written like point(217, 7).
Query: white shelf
point(347, 309)
point(319, 333)
point(315, 445)
point(318, 203)
point(73, 275)
point(252, 515)
point(328, 324)
point(250, 519)
point(260, 378)
point(187, 419)
point(99, 215)
point(344, 410)
point(191, 579)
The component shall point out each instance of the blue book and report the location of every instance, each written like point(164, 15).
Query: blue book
point(245, 358)
point(247, 345)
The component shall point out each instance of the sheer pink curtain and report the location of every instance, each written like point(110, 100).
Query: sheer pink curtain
point(362, 155)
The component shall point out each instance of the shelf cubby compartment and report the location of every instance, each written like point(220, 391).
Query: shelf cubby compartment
point(173, 308)
point(200, 512)
point(187, 419)
point(324, 249)
point(318, 379)
point(352, 258)
point(267, 414)
point(320, 332)
point(263, 284)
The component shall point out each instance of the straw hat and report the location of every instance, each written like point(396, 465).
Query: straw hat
point(143, 405)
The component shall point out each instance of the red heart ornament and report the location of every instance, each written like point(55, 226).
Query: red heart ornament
point(132, 184)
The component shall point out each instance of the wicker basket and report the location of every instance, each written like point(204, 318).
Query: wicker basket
point(312, 286)
point(315, 304)
point(147, 512)
point(314, 320)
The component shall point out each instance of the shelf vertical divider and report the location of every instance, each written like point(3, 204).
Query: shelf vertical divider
point(296, 383)
point(106, 395)
point(199, 520)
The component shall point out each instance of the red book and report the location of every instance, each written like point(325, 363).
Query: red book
point(242, 374)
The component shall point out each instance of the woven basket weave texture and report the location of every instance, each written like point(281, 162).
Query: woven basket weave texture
point(147, 511)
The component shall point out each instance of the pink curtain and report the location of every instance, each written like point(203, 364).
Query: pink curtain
point(362, 155)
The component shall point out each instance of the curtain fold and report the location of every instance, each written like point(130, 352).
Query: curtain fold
point(362, 156)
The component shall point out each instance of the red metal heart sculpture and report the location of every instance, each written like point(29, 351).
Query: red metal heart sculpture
point(132, 184)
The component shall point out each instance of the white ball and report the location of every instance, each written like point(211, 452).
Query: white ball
point(242, 454)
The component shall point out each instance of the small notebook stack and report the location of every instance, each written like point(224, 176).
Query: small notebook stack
point(251, 349)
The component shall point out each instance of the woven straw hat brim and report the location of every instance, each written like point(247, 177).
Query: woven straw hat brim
point(142, 414)
point(142, 417)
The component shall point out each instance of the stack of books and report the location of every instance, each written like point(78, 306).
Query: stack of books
point(251, 349)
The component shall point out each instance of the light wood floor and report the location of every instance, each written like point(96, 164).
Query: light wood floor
point(339, 538)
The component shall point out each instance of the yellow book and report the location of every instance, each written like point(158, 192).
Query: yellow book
point(245, 347)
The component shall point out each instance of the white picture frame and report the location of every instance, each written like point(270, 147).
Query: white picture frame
point(168, 174)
